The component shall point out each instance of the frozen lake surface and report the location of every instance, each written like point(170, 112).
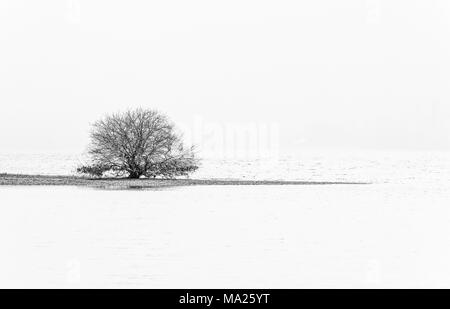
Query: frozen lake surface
point(392, 233)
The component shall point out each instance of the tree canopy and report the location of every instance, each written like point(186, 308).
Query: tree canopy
point(138, 143)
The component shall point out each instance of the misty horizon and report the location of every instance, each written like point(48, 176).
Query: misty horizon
point(373, 75)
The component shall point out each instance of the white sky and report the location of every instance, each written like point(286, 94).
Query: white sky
point(339, 74)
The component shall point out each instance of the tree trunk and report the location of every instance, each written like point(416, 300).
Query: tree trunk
point(134, 175)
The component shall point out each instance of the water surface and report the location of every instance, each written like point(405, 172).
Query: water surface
point(382, 235)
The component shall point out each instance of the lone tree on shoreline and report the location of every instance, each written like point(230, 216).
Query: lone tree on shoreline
point(138, 143)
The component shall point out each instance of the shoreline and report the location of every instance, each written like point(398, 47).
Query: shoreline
point(125, 183)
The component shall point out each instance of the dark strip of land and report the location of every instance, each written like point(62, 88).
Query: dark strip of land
point(124, 183)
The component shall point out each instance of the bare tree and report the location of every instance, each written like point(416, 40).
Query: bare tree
point(138, 143)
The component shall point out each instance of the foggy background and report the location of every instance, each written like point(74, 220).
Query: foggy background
point(347, 74)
